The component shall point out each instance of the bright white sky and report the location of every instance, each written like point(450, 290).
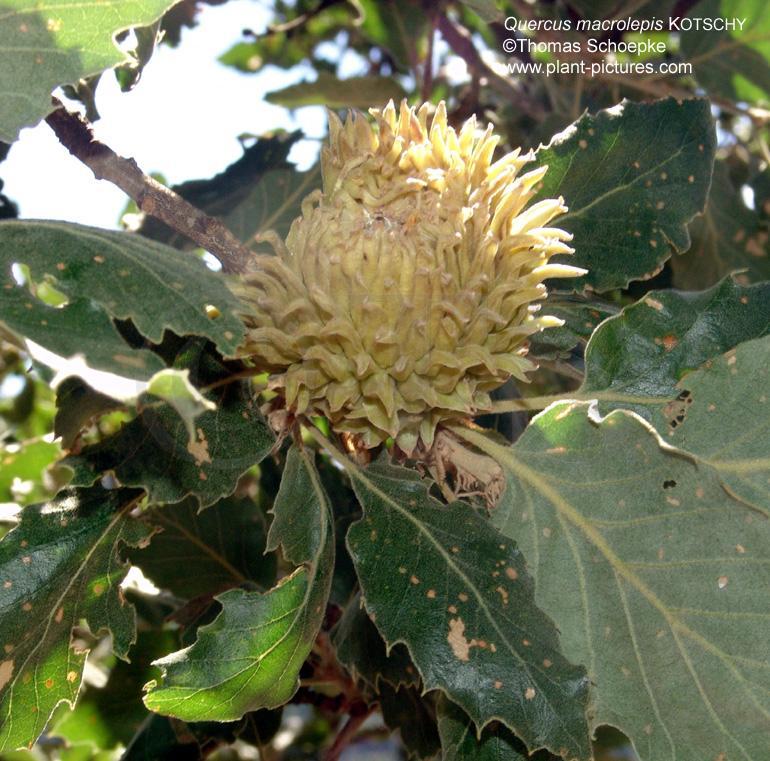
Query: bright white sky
point(182, 120)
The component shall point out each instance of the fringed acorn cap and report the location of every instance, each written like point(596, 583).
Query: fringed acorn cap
point(406, 290)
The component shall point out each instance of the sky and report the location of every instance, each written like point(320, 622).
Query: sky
point(182, 120)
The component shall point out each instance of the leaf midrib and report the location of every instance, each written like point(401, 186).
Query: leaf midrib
point(520, 469)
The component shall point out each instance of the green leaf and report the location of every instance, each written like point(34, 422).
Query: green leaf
point(282, 46)
point(42, 47)
point(361, 650)
point(732, 64)
point(160, 738)
point(76, 405)
point(580, 320)
point(147, 38)
point(225, 544)
point(249, 657)
point(329, 90)
point(118, 274)
point(632, 176)
point(25, 462)
point(398, 26)
point(111, 714)
point(60, 566)
point(728, 237)
point(726, 417)
point(459, 741)
point(443, 581)
point(650, 570)
point(174, 387)
point(636, 359)
point(411, 714)
point(273, 203)
point(154, 451)
point(80, 328)
point(259, 192)
point(488, 10)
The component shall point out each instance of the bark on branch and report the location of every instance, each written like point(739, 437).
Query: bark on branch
point(150, 196)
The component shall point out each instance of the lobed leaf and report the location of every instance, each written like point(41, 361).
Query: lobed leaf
point(441, 580)
point(107, 275)
point(459, 741)
point(154, 450)
point(726, 419)
point(636, 359)
point(361, 650)
point(43, 46)
point(412, 715)
point(249, 657)
point(108, 715)
point(61, 566)
point(650, 570)
point(632, 176)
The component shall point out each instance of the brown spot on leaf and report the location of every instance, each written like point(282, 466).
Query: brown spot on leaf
point(530, 693)
point(456, 638)
point(6, 672)
point(511, 573)
point(670, 342)
point(199, 448)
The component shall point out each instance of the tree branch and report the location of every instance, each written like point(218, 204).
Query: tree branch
point(150, 196)
point(459, 40)
point(358, 715)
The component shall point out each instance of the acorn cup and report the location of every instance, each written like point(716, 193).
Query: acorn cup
point(407, 289)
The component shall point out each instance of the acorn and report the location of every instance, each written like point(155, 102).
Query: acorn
point(408, 287)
